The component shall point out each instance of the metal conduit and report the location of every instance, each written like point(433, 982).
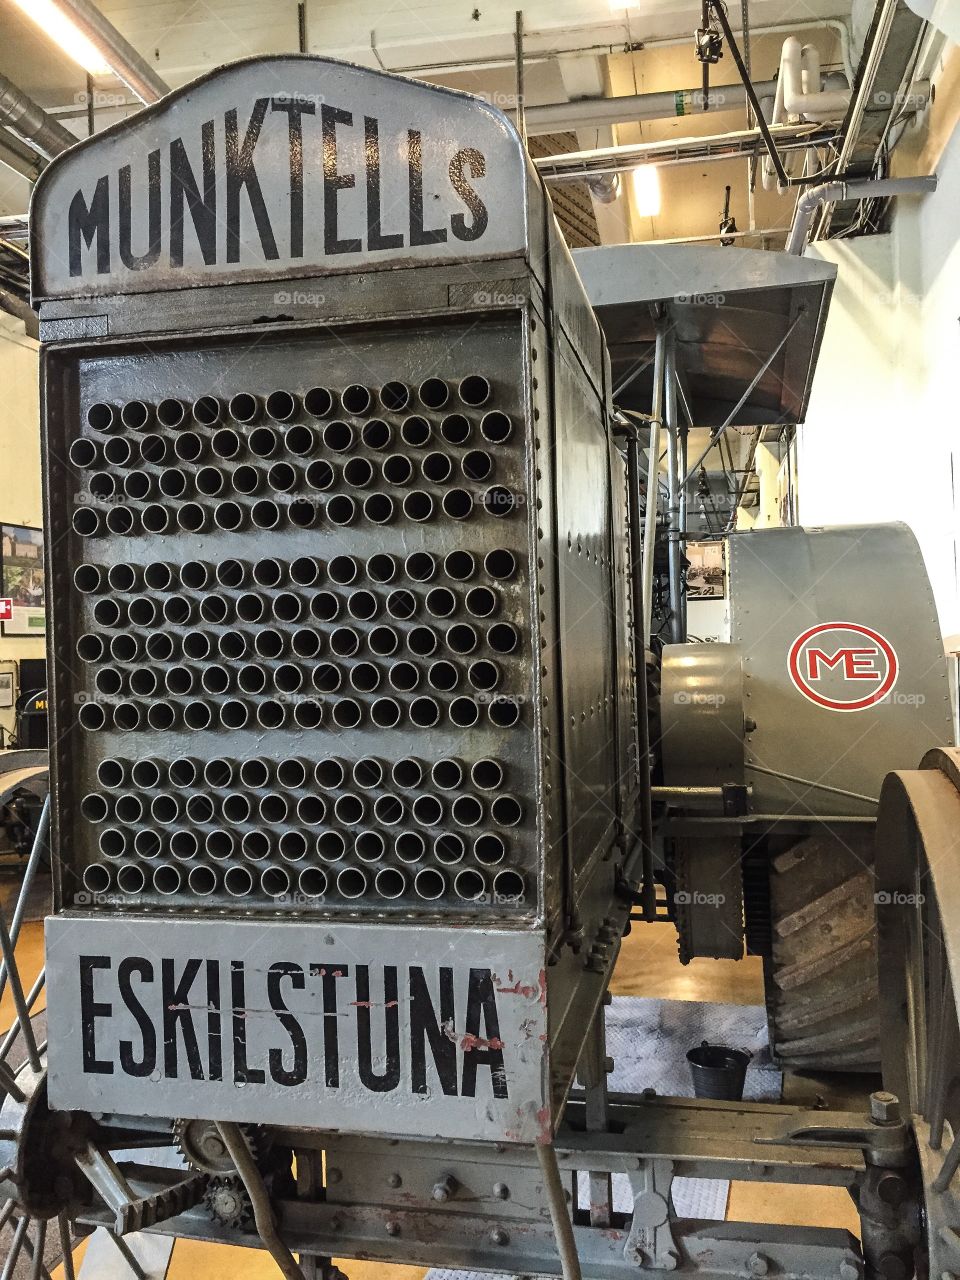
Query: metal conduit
point(30, 120)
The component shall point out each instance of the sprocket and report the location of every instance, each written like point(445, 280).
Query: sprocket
point(226, 1201)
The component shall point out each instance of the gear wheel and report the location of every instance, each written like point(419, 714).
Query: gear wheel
point(200, 1144)
point(227, 1202)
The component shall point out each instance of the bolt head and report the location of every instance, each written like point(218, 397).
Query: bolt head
point(849, 1270)
point(758, 1264)
point(884, 1107)
point(501, 1191)
point(393, 1228)
point(394, 1180)
point(499, 1236)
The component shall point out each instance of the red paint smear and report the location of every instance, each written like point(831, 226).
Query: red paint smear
point(468, 1042)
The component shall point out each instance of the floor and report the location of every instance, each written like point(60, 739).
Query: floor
point(648, 966)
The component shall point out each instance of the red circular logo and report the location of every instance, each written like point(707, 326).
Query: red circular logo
point(843, 666)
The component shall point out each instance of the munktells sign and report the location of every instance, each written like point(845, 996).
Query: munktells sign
point(367, 1028)
point(279, 166)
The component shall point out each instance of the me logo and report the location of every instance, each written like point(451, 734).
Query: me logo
point(842, 666)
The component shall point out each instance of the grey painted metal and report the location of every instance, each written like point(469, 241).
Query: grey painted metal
point(504, 307)
point(124, 61)
point(729, 309)
point(20, 112)
point(358, 1075)
point(380, 1197)
point(653, 479)
point(463, 151)
point(675, 479)
point(784, 582)
point(701, 714)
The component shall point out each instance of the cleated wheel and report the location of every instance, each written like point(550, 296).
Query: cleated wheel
point(820, 970)
point(918, 915)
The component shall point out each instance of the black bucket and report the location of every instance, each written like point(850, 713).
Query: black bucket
point(718, 1072)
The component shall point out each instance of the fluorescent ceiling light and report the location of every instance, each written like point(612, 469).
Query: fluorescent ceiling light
point(60, 27)
point(646, 190)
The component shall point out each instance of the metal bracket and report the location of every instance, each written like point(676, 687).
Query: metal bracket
point(651, 1241)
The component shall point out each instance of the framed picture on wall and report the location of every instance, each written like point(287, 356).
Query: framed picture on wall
point(21, 579)
point(706, 572)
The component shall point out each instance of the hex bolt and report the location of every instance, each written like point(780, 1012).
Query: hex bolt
point(758, 1264)
point(445, 1188)
point(499, 1236)
point(501, 1191)
point(394, 1180)
point(884, 1108)
point(393, 1228)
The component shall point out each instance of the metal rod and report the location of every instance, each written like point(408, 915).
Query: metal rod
point(131, 1259)
point(66, 1247)
point(653, 471)
point(575, 166)
point(33, 862)
point(559, 1216)
point(119, 55)
point(648, 889)
point(674, 564)
point(807, 782)
point(263, 1214)
point(18, 1236)
point(745, 397)
point(10, 1038)
point(518, 47)
point(36, 1250)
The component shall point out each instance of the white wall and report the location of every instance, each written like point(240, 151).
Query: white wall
point(881, 439)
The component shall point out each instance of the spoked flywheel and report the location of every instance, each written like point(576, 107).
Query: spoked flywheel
point(918, 917)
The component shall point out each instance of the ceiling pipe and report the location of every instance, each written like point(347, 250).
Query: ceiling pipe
point(20, 156)
point(577, 166)
point(862, 189)
point(119, 55)
point(545, 46)
point(32, 123)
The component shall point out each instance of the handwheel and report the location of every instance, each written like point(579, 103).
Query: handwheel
point(918, 917)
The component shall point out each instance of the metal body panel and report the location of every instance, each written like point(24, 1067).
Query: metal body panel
point(506, 306)
point(404, 1030)
point(785, 583)
point(701, 714)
